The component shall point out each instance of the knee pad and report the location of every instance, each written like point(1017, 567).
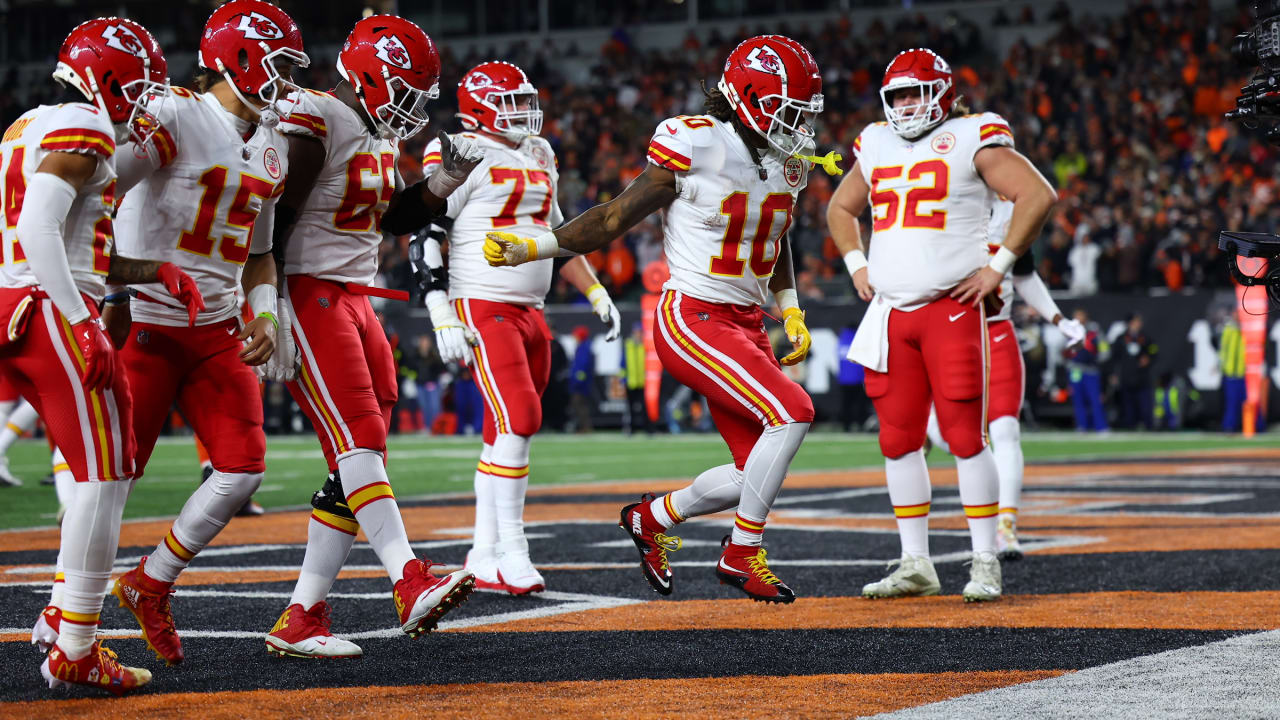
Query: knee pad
point(1005, 431)
point(896, 442)
point(238, 486)
point(963, 377)
point(330, 498)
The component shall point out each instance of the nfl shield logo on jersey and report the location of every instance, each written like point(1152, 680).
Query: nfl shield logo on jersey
point(943, 143)
point(793, 170)
point(272, 163)
point(324, 302)
point(391, 50)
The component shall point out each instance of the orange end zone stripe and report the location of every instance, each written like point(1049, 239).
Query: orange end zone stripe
point(668, 316)
point(341, 524)
point(367, 494)
point(919, 510)
point(486, 381)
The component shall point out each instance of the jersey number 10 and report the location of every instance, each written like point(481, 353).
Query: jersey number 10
point(729, 263)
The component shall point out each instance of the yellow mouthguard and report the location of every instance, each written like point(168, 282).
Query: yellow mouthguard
point(829, 162)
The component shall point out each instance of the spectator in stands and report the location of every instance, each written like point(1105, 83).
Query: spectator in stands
point(582, 376)
point(851, 376)
point(1231, 355)
point(1083, 259)
point(633, 361)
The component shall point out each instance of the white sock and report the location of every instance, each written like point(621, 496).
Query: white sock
point(510, 472)
point(368, 491)
point(6, 407)
point(90, 536)
point(327, 550)
point(59, 581)
point(19, 423)
point(911, 495)
point(979, 493)
point(206, 512)
point(1006, 445)
point(64, 481)
point(486, 530)
point(935, 432)
point(762, 477)
point(714, 490)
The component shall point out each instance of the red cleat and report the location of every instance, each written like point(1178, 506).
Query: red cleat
point(744, 567)
point(47, 628)
point(99, 669)
point(652, 542)
point(305, 633)
point(422, 598)
point(148, 600)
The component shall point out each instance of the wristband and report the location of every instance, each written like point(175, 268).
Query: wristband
point(1003, 260)
point(272, 317)
point(544, 246)
point(597, 294)
point(116, 295)
point(854, 260)
point(787, 300)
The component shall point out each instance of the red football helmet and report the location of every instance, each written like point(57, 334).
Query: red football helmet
point(247, 42)
point(497, 97)
point(924, 70)
point(118, 66)
point(394, 69)
point(773, 84)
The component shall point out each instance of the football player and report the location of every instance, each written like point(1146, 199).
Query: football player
point(931, 173)
point(728, 181)
point(59, 183)
point(199, 194)
point(514, 188)
point(1006, 381)
point(343, 193)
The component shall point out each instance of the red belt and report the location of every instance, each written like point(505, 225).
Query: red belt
point(354, 289)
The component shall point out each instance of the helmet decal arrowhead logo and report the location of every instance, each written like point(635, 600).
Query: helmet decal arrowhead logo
point(477, 80)
point(392, 51)
point(765, 59)
point(123, 39)
point(257, 26)
point(940, 65)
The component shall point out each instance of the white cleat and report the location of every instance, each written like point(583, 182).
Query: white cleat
point(482, 562)
point(515, 570)
point(7, 479)
point(1007, 545)
point(45, 633)
point(915, 577)
point(985, 583)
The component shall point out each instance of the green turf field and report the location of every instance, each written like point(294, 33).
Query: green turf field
point(424, 465)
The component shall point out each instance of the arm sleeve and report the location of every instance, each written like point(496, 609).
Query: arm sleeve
point(47, 201)
point(431, 157)
point(263, 230)
point(1032, 289)
point(132, 167)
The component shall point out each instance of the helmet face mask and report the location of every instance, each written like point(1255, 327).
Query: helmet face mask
point(405, 113)
point(922, 74)
point(497, 98)
point(793, 124)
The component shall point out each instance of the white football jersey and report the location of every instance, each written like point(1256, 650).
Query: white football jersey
point(198, 206)
point(87, 232)
point(930, 207)
point(721, 233)
point(513, 190)
point(339, 228)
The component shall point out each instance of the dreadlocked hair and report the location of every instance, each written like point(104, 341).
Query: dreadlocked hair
point(716, 104)
point(959, 108)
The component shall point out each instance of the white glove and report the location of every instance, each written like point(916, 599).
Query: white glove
point(1072, 330)
point(459, 155)
point(283, 364)
point(602, 305)
point(454, 339)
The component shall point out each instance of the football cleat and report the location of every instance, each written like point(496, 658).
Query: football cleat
point(305, 634)
point(7, 479)
point(422, 598)
point(652, 541)
point(984, 578)
point(515, 570)
point(1007, 545)
point(151, 609)
point(914, 577)
point(483, 563)
point(745, 567)
point(48, 625)
point(99, 668)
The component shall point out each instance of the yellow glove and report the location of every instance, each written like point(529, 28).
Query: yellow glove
point(504, 248)
point(797, 333)
point(829, 162)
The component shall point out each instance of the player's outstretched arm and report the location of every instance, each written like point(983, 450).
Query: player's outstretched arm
point(783, 285)
point(653, 190)
point(418, 204)
point(1007, 172)
point(847, 203)
point(579, 274)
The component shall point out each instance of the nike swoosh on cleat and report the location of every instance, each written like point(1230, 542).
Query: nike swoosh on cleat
point(728, 569)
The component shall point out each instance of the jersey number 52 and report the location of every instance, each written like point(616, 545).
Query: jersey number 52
point(891, 201)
